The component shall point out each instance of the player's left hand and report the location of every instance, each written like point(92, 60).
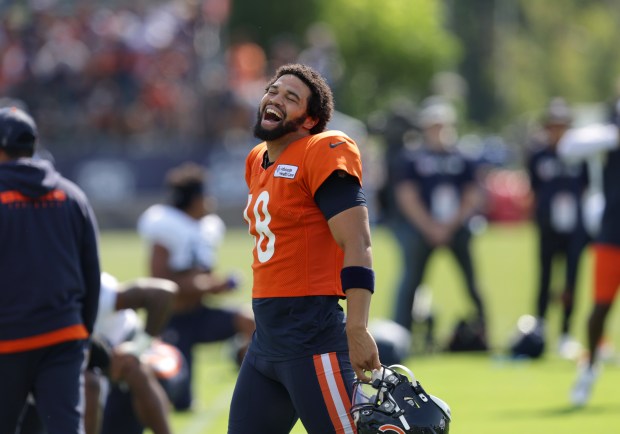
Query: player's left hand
point(363, 352)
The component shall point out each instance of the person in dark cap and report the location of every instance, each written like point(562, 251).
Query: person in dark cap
point(557, 187)
point(18, 129)
point(49, 263)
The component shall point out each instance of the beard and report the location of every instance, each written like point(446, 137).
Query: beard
point(281, 130)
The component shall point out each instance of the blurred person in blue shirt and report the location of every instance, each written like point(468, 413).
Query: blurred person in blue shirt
point(437, 193)
point(558, 187)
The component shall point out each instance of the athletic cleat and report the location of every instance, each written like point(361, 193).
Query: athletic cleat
point(580, 394)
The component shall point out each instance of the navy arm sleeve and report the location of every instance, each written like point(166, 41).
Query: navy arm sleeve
point(339, 192)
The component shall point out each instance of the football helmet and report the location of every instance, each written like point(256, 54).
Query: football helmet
point(395, 403)
point(529, 339)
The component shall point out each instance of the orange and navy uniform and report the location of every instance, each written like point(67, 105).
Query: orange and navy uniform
point(607, 246)
point(49, 263)
point(295, 254)
point(298, 358)
point(297, 262)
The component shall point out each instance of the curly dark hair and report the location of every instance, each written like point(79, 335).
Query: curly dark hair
point(321, 101)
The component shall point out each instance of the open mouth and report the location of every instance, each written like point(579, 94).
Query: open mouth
point(272, 116)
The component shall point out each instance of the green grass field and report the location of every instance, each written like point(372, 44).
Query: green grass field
point(488, 393)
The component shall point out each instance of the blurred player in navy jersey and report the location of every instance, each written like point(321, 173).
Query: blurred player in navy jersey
point(587, 142)
point(49, 263)
point(437, 193)
point(307, 213)
point(183, 236)
point(558, 187)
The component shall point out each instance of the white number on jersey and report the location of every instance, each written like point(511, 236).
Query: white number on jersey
point(262, 218)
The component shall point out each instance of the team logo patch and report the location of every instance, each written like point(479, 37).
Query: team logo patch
point(391, 428)
point(285, 171)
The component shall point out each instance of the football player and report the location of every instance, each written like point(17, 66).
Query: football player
point(143, 372)
point(307, 213)
point(599, 141)
point(183, 236)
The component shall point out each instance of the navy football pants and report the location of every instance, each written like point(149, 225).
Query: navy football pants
point(271, 396)
point(570, 246)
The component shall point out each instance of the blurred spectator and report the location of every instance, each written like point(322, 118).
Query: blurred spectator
point(323, 53)
point(132, 76)
point(436, 193)
point(247, 64)
point(395, 126)
point(558, 187)
point(282, 50)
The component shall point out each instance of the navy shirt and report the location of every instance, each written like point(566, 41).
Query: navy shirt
point(558, 187)
point(441, 178)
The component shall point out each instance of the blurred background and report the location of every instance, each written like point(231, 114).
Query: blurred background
point(123, 90)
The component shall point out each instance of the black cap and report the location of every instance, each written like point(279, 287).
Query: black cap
point(17, 129)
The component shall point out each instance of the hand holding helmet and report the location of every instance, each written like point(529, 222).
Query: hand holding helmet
point(395, 402)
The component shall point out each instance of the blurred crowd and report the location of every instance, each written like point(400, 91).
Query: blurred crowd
point(140, 77)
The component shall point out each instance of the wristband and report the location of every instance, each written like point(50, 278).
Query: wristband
point(357, 277)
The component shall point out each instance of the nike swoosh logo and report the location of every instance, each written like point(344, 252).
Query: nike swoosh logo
point(333, 145)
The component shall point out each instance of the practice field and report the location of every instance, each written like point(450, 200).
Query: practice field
point(488, 393)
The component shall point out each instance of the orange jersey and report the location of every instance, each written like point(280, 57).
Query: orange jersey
point(606, 272)
point(294, 252)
